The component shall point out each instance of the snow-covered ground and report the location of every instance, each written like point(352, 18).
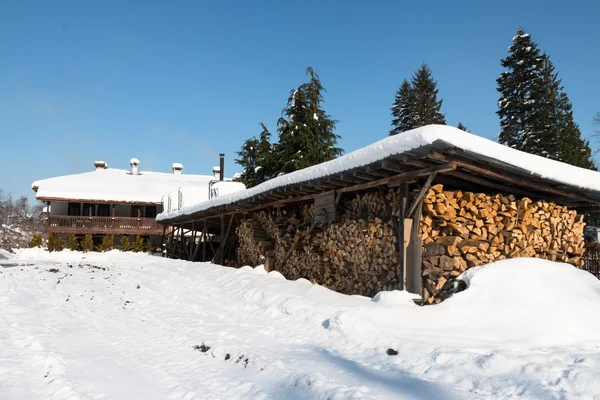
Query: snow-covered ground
point(132, 326)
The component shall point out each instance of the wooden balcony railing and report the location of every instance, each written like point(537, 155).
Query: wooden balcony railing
point(105, 225)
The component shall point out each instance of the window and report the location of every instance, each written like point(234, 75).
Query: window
point(104, 210)
point(150, 212)
point(74, 209)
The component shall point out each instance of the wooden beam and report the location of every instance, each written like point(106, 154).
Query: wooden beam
point(492, 185)
point(221, 250)
point(421, 195)
point(377, 172)
point(518, 181)
point(404, 177)
point(363, 176)
point(392, 166)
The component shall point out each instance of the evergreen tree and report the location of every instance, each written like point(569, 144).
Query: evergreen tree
point(256, 159)
point(462, 127)
point(402, 109)
point(519, 87)
point(536, 114)
point(416, 103)
point(426, 107)
point(562, 131)
point(248, 161)
point(306, 132)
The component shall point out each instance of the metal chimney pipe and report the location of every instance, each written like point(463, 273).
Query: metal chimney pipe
point(221, 166)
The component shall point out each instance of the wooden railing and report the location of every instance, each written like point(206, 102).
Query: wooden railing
point(106, 225)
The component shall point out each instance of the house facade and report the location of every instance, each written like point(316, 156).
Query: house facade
point(117, 202)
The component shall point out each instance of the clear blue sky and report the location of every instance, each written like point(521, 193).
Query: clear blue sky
point(182, 81)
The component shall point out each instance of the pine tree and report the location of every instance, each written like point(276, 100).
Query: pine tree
point(562, 134)
point(519, 87)
point(256, 159)
point(306, 132)
point(535, 112)
point(416, 103)
point(462, 127)
point(402, 109)
point(248, 161)
point(426, 106)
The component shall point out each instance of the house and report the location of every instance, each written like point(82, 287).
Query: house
point(454, 200)
point(116, 202)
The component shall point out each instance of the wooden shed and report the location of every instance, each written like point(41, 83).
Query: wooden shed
point(455, 200)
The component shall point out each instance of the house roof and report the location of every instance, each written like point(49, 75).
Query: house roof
point(117, 185)
point(474, 160)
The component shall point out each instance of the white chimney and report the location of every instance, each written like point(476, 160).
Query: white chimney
point(100, 165)
point(217, 172)
point(135, 163)
point(177, 168)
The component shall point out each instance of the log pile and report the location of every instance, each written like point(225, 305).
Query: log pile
point(462, 230)
point(359, 254)
point(353, 257)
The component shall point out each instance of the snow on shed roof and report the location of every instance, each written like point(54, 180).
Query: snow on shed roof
point(535, 165)
point(117, 185)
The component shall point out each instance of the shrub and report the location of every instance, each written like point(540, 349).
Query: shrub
point(58, 243)
point(71, 242)
point(107, 243)
point(51, 243)
point(138, 245)
point(36, 241)
point(147, 246)
point(124, 246)
point(87, 244)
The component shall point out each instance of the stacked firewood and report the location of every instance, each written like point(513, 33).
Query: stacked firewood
point(462, 230)
point(371, 205)
point(353, 257)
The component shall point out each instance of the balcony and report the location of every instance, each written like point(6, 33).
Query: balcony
point(102, 225)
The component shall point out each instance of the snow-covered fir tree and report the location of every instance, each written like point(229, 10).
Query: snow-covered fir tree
point(416, 103)
point(535, 113)
point(520, 87)
point(402, 109)
point(306, 132)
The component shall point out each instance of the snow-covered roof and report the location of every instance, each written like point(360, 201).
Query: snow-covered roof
point(117, 185)
point(450, 137)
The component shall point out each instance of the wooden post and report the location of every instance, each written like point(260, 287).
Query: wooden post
point(222, 240)
point(163, 242)
point(204, 242)
point(47, 215)
point(401, 249)
point(192, 244)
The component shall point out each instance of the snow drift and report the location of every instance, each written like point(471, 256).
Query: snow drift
point(525, 302)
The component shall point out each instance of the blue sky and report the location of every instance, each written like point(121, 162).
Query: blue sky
point(183, 81)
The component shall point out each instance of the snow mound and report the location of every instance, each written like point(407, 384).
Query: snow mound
point(396, 297)
point(524, 302)
point(540, 301)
